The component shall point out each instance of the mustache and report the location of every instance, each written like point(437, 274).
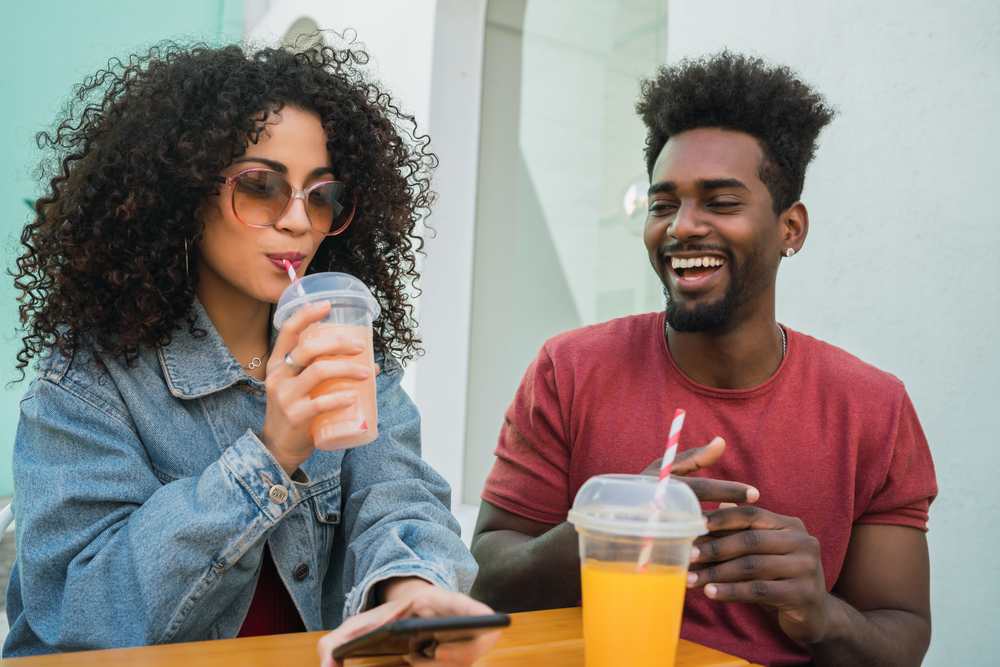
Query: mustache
point(674, 248)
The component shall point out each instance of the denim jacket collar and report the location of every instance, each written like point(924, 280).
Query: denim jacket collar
point(195, 367)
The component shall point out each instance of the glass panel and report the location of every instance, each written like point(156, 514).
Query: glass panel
point(558, 234)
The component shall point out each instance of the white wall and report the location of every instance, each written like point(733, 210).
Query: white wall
point(428, 53)
point(397, 34)
point(897, 268)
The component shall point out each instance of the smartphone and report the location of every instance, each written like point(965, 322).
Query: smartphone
point(416, 635)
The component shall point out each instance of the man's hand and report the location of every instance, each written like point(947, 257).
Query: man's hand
point(707, 490)
point(880, 613)
point(769, 560)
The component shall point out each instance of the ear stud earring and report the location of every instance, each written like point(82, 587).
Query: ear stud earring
point(789, 252)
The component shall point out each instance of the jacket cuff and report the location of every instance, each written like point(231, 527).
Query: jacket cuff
point(360, 598)
point(274, 492)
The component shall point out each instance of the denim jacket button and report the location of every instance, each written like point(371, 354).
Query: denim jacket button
point(300, 572)
point(278, 494)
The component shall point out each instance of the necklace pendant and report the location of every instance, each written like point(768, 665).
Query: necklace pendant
point(254, 363)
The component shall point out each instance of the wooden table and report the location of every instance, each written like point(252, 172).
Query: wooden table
point(551, 638)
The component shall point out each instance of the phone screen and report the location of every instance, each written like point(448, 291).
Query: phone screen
point(416, 635)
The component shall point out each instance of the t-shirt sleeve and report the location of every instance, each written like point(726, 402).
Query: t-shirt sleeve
point(530, 477)
point(910, 483)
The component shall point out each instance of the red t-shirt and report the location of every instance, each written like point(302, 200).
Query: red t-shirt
point(828, 439)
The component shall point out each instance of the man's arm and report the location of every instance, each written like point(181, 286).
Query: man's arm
point(885, 606)
point(526, 565)
point(878, 613)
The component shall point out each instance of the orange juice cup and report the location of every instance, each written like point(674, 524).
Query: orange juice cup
point(352, 310)
point(632, 612)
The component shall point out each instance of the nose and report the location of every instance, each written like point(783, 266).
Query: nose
point(686, 223)
point(294, 220)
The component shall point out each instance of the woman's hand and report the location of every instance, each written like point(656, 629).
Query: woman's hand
point(409, 597)
point(290, 410)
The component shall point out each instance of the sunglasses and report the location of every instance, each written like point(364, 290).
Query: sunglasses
point(261, 196)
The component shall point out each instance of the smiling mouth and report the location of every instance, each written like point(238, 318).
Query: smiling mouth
point(693, 268)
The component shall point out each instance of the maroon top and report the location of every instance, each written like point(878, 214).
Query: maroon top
point(272, 611)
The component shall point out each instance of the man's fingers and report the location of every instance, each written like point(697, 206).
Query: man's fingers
point(749, 517)
point(772, 593)
point(719, 491)
point(700, 457)
point(746, 542)
point(766, 567)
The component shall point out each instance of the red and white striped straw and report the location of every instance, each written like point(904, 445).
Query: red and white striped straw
point(290, 269)
point(661, 488)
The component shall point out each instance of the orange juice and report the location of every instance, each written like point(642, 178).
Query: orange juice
point(631, 617)
point(356, 424)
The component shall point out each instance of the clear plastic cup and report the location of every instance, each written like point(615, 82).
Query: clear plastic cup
point(352, 311)
point(632, 613)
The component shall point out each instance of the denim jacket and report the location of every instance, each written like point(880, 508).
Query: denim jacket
point(143, 502)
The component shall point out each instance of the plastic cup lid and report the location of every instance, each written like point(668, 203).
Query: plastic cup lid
point(623, 504)
point(337, 288)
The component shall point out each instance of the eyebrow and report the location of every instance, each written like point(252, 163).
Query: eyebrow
point(702, 184)
point(280, 168)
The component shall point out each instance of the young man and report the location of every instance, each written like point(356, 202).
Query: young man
point(829, 563)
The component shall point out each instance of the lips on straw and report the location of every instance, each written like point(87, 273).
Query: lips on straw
point(661, 488)
point(290, 269)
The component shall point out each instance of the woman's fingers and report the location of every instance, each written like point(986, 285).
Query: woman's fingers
point(432, 601)
point(293, 327)
point(308, 350)
point(359, 625)
point(459, 652)
point(318, 372)
point(305, 410)
point(454, 648)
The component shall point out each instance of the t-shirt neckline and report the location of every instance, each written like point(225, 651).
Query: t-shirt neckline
point(727, 394)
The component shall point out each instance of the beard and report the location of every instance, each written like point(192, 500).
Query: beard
point(748, 278)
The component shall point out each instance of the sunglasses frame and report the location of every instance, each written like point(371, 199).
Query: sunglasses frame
point(296, 194)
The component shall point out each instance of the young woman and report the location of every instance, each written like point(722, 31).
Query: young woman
point(166, 486)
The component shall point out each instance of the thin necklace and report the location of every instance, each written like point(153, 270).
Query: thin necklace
point(256, 362)
point(784, 338)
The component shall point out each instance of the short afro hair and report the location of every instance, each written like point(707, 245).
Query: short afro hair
point(738, 92)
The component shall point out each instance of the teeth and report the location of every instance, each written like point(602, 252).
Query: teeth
point(678, 263)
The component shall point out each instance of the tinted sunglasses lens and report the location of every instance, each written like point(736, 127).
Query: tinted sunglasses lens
point(331, 206)
point(260, 197)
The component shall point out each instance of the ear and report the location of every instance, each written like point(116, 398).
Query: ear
point(794, 223)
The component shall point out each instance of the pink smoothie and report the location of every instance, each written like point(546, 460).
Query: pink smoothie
point(357, 424)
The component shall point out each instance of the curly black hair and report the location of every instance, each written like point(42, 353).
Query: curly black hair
point(738, 92)
point(137, 152)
